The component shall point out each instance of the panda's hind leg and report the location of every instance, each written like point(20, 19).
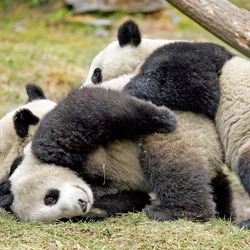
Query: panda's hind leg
point(222, 193)
point(180, 181)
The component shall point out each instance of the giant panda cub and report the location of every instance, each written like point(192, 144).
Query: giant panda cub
point(18, 126)
point(203, 78)
point(105, 139)
point(77, 144)
point(180, 75)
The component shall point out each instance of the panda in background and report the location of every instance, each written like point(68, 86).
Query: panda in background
point(180, 75)
point(72, 147)
point(18, 126)
point(130, 45)
point(105, 139)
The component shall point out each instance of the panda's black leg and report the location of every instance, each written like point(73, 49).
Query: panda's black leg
point(116, 204)
point(180, 181)
point(222, 196)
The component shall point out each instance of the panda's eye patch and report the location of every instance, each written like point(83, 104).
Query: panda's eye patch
point(97, 76)
point(51, 197)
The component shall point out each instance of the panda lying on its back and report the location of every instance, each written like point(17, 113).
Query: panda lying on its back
point(69, 148)
point(76, 143)
point(18, 126)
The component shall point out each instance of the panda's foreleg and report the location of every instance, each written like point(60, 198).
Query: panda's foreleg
point(180, 182)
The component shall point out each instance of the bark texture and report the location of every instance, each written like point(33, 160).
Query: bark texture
point(222, 18)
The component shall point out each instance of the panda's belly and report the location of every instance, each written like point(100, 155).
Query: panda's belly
point(117, 167)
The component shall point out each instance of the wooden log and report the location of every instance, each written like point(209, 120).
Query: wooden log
point(222, 18)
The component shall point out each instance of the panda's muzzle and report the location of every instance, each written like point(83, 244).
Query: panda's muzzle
point(83, 204)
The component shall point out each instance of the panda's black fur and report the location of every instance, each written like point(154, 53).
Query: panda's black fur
point(81, 123)
point(182, 76)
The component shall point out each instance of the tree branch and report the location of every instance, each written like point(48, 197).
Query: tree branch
point(222, 18)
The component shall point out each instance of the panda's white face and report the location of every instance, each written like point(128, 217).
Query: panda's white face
point(116, 61)
point(45, 192)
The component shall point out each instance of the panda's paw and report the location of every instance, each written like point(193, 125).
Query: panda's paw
point(164, 120)
point(158, 213)
point(95, 214)
point(162, 213)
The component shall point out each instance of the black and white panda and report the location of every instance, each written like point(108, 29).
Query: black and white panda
point(49, 182)
point(218, 89)
point(219, 85)
point(18, 126)
point(106, 139)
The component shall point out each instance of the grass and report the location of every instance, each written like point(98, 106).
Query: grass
point(49, 46)
point(130, 231)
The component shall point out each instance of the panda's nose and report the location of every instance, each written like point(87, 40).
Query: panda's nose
point(83, 205)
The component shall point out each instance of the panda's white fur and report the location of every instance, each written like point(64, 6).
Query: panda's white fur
point(31, 183)
point(11, 143)
point(110, 63)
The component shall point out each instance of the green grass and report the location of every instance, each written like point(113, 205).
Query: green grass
point(130, 231)
point(49, 46)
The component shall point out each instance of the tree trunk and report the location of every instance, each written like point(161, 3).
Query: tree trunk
point(222, 18)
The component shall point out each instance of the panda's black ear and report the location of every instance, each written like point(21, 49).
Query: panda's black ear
point(129, 34)
point(6, 196)
point(22, 120)
point(34, 92)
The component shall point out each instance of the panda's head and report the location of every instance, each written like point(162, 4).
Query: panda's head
point(123, 56)
point(43, 192)
point(18, 126)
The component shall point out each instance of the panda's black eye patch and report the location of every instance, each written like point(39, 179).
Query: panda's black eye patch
point(51, 197)
point(97, 76)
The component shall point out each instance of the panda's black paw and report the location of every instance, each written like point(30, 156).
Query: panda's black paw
point(95, 214)
point(162, 213)
point(164, 120)
point(158, 213)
